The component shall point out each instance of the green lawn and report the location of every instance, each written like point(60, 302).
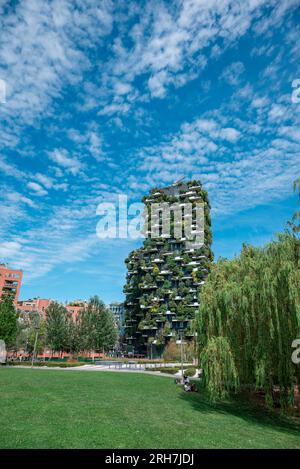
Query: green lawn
point(73, 409)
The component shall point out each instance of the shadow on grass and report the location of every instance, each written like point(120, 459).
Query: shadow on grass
point(239, 407)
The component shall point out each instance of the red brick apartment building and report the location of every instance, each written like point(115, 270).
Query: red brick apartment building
point(35, 305)
point(39, 305)
point(10, 282)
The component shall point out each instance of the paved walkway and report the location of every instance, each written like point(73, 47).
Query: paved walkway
point(99, 368)
point(96, 368)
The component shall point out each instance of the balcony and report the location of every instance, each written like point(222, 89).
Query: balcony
point(190, 192)
point(10, 284)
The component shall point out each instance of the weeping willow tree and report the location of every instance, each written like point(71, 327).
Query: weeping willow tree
point(249, 317)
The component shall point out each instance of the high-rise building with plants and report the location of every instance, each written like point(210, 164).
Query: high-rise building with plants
point(165, 275)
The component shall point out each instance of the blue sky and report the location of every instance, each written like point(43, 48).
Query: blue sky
point(104, 98)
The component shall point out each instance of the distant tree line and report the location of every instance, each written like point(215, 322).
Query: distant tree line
point(93, 329)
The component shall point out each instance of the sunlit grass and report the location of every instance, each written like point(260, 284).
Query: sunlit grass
point(75, 409)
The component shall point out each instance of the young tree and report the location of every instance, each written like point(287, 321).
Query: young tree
point(8, 322)
point(72, 338)
point(108, 331)
point(36, 330)
point(96, 328)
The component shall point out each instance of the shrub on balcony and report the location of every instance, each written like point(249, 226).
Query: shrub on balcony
point(194, 276)
point(142, 325)
point(166, 329)
point(163, 309)
point(154, 309)
point(148, 279)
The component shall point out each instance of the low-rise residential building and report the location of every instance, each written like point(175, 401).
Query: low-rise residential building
point(39, 305)
point(75, 306)
point(10, 282)
point(118, 311)
point(34, 305)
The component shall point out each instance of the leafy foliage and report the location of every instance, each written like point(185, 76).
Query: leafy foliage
point(96, 329)
point(56, 327)
point(249, 317)
point(8, 321)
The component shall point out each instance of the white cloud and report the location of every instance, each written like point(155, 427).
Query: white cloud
point(167, 39)
point(61, 157)
point(41, 47)
point(45, 180)
point(10, 169)
point(232, 74)
point(110, 109)
point(9, 249)
point(239, 172)
point(229, 134)
point(36, 188)
point(291, 132)
point(122, 88)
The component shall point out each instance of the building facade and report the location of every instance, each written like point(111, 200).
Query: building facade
point(34, 305)
point(165, 275)
point(39, 305)
point(10, 282)
point(75, 306)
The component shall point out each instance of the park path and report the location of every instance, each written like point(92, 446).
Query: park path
point(98, 368)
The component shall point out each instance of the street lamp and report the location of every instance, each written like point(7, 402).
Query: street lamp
point(181, 348)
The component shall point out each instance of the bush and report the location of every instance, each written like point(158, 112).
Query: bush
point(163, 369)
point(47, 364)
point(172, 352)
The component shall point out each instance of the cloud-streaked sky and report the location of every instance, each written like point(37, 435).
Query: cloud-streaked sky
point(110, 97)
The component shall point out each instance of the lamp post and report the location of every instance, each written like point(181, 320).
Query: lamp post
point(36, 327)
point(181, 348)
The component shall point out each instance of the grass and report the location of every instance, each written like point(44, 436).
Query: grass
point(75, 409)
